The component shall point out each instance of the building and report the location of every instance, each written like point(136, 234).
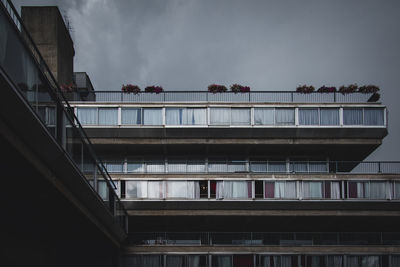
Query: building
point(271, 179)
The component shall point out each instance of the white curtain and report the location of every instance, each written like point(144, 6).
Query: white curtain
point(51, 116)
point(234, 190)
point(240, 116)
point(131, 116)
point(155, 189)
point(136, 189)
point(87, 116)
point(352, 116)
point(286, 261)
point(151, 261)
point(397, 190)
point(193, 261)
point(334, 261)
point(329, 116)
point(315, 261)
point(219, 190)
point(196, 116)
point(378, 190)
point(266, 261)
point(284, 116)
point(312, 190)
point(335, 190)
point(152, 116)
point(183, 189)
point(352, 261)
point(362, 189)
point(395, 260)
point(102, 189)
point(370, 261)
point(108, 116)
point(220, 116)
point(264, 116)
point(224, 261)
point(173, 116)
point(373, 116)
point(174, 261)
point(308, 116)
point(285, 189)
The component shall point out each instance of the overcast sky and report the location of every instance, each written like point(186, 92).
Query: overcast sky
point(267, 45)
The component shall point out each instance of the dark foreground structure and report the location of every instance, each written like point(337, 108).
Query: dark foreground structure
point(260, 179)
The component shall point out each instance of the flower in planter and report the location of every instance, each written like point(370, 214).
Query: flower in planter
point(130, 88)
point(154, 89)
point(368, 89)
point(237, 88)
point(327, 89)
point(305, 89)
point(67, 88)
point(216, 88)
point(348, 89)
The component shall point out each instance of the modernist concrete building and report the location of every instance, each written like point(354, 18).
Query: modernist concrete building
point(260, 179)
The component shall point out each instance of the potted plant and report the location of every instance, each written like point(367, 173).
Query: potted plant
point(348, 89)
point(237, 88)
point(154, 89)
point(305, 89)
point(327, 89)
point(130, 88)
point(216, 88)
point(368, 89)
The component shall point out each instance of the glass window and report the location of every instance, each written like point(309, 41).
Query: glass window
point(240, 116)
point(358, 189)
point(135, 166)
point(102, 189)
point(232, 190)
point(352, 116)
point(397, 189)
point(183, 189)
point(329, 116)
point(108, 116)
point(308, 116)
point(155, 166)
point(114, 166)
point(378, 190)
point(222, 261)
point(87, 116)
point(284, 189)
point(152, 116)
point(155, 189)
point(313, 190)
point(373, 116)
point(135, 189)
point(131, 116)
point(263, 116)
point(186, 116)
point(220, 116)
point(284, 116)
point(175, 261)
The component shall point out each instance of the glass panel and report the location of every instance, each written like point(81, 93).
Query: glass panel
point(222, 261)
point(237, 189)
point(155, 166)
point(152, 116)
point(313, 190)
point(373, 116)
point(378, 190)
point(137, 166)
point(285, 190)
point(196, 116)
point(108, 116)
point(87, 116)
point(183, 189)
point(263, 116)
point(329, 116)
point(334, 261)
point(114, 166)
point(155, 189)
point(352, 116)
point(308, 116)
point(397, 190)
point(352, 261)
point(136, 189)
point(370, 261)
point(173, 116)
point(276, 166)
point(102, 189)
point(240, 116)
point(335, 190)
point(176, 166)
point(196, 166)
point(131, 116)
point(220, 116)
point(284, 116)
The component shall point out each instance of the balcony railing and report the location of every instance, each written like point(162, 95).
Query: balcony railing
point(24, 66)
point(265, 238)
point(250, 166)
point(229, 97)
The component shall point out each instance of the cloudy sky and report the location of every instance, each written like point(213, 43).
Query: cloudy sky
point(268, 45)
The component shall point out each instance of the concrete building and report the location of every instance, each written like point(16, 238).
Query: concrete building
point(260, 179)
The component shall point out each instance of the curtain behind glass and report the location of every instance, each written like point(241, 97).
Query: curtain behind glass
point(334, 261)
point(352, 116)
point(352, 261)
point(370, 261)
point(173, 116)
point(395, 260)
point(87, 116)
point(108, 116)
point(284, 116)
point(220, 116)
point(285, 189)
point(183, 189)
point(264, 116)
point(136, 189)
point(196, 116)
point(377, 190)
point(312, 189)
point(397, 190)
point(102, 189)
point(240, 116)
point(131, 116)
point(174, 261)
point(362, 189)
point(152, 116)
point(155, 189)
point(329, 116)
point(151, 261)
point(224, 261)
point(373, 116)
point(193, 261)
point(308, 116)
point(335, 190)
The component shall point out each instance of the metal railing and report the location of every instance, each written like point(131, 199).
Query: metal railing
point(250, 166)
point(22, 62)
point(229, 97)
point(265, 238)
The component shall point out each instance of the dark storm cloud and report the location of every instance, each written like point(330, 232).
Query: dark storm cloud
point(268, 45)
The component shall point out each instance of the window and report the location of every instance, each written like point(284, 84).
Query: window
point(313, 190)
point(352, 116)
point(378, 190)
point(186, 116)
point(183, 189)
point(135, 166)
point(108, 116)
point(358, 189)
point(131, 116)
point(240, 116)
point(114, 166)
point(369, 190)
point(308, 116)
point(397, 189)
point(87, 116)
point(220, 116)
point(364, 261)
point(152, 116)
point(144, 189)
point(233, 190)
point(329, 116)
point(373, 116)
point(264, 116)
point(282, 190)
point(284, 116)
